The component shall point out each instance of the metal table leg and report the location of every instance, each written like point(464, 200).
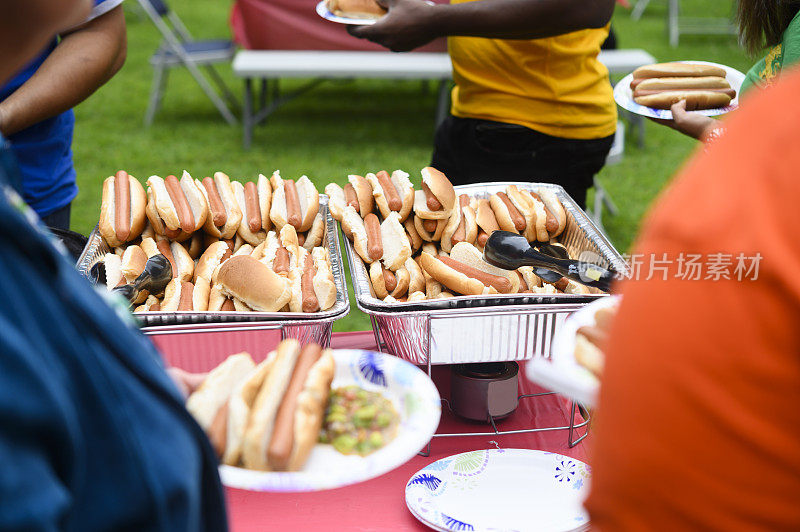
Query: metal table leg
point(247, 118)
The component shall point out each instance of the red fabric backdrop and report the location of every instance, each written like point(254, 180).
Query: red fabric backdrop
point(295, 25)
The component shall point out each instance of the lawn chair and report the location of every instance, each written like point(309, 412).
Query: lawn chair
point(179, 49)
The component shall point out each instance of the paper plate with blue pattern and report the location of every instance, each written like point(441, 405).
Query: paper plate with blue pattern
point(501, 489)
point(327, 14)
point(623, 95)
point(416, 400)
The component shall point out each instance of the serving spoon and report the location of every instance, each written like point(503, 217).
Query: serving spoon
point(511, 251)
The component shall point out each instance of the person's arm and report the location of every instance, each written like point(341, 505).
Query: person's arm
point(85, 59)
point(413, 23)
point(692, 125)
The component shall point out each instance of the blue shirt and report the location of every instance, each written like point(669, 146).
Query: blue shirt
point(93, 433)
point(44, 150)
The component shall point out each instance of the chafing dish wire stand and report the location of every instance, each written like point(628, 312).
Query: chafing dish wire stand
point(311, 327)
point(494, 328)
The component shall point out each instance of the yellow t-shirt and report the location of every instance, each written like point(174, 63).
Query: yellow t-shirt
point(553, 85)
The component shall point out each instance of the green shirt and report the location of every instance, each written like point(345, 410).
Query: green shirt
point(782, 55)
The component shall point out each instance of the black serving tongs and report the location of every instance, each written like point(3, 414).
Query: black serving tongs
point(511, 251)
point(154, 278)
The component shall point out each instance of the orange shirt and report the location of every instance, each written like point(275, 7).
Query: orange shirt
point(698, 424)
point(555, 85)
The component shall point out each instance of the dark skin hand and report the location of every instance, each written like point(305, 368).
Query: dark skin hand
point(693, 125)
point(410, 24)
point(84, 60)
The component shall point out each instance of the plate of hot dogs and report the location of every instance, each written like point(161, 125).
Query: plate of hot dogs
point(576, 357)
point(710, 89)
point(423, 245)
point(307, 418)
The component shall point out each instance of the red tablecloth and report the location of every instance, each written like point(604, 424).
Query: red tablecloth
point(379, 504)
point(295, 25)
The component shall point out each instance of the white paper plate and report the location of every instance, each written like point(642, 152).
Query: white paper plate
point(501, 489)
point(624, 95)
point(416, 400)
point(322, 10)
point(561, 372)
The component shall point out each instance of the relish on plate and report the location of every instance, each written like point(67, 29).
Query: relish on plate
point(358, 421)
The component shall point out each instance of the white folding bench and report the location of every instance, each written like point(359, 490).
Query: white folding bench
point(323, 65)
point(267, 65)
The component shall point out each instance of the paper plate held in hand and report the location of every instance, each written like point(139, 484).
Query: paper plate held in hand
point(414, 397)
point(561, 372)
point(623, 95)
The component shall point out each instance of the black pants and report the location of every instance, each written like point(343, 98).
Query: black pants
point(58, 219)
point(476, 151)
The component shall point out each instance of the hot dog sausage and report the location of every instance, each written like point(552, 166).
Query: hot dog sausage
point(310, 301)
point(122, 206)
point(215, 204)
point(218, 430)
point(228, 306)
point(293, 214)
point(163, 247)
point(516, 217)
point(301, 239)
point(282, 441)
point(374, 244)
point(432, 201)
point(252, 207)
point(185, 216)
point(561, 284)
point(351, 197)
point(430, 225)
point(551, 224)
point(187, 289)
point(389, 280)
point(392, 197)
point(282, 260)
point(155, 307)
point(483, 236)
point(501, 284)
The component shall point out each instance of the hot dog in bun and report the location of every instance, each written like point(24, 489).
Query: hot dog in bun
point(176, 207)
point(437, 199)
point(122, 212)
point(286, 415)
point(224, 215)
point(293, 203)
point(393, 193)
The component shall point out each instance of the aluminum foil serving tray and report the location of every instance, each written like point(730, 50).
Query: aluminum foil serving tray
point(498, 327)
point(96, 248)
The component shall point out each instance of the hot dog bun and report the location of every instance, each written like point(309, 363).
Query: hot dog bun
point(313, 237)
point(452, 279)
point(353, 226)
point(676, 69)
point(396, 247)
point(239, 406)
point(441, 188)
point(324, 285)
point(212, 395)
point(134, 204)
point(695, 100)
point(461, 226)
point(359, 9)
point(254, 283)
point(268, 431)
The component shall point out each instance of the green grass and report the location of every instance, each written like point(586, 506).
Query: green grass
point(338, 128)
